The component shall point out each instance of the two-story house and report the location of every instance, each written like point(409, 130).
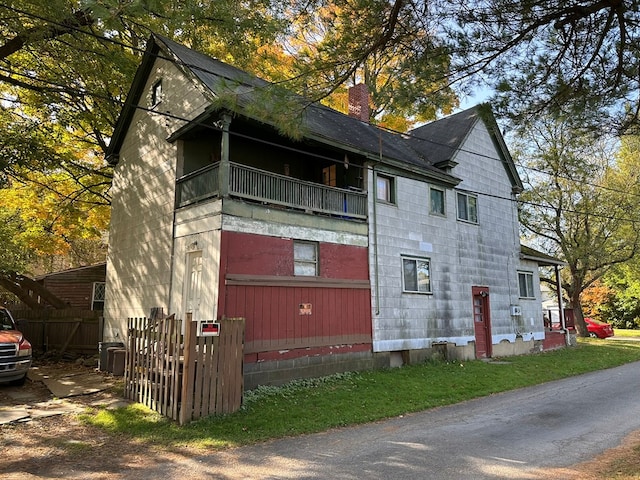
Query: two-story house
point(346, 247)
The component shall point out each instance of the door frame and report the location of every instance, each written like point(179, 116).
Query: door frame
point(481, 314)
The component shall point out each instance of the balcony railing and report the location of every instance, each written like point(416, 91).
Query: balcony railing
point(197, 186)
point(261, 186)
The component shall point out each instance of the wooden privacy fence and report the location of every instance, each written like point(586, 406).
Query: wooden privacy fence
point(184, 376)
point(68, 330)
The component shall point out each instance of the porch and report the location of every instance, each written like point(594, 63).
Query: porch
point(252, 184)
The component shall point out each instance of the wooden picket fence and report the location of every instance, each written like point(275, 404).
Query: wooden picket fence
point(184, 376)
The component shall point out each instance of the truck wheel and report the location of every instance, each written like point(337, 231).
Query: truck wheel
point(20, 381)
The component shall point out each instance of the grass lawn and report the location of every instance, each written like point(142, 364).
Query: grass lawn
point(621, 332)
point(353, 398)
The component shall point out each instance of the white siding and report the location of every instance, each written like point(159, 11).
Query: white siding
point(530, 324)
point(462, 255)
point(143, 192)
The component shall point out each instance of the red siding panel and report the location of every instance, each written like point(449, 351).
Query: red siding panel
point(341, 314)
point(343, 261)
point(274, 322)
point(258, 254)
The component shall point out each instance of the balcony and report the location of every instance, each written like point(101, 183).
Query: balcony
point(260, 186)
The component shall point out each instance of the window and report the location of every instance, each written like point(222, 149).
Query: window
point(385, 189)
point(436, 201)
point(97, 298)
point(305, 259)
point(156, 93)
point(416, 276)
point(525, 281)
point(467, 207)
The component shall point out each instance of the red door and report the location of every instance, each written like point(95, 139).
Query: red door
point(482, 321)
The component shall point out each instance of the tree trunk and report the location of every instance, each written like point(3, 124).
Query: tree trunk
point(578, 317)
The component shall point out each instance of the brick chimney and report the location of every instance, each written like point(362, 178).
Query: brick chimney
point(359, 102)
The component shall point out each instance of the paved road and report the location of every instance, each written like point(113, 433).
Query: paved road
point(511, 435)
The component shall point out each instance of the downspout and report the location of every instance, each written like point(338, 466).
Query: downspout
point(375, 239)
point(375, 224)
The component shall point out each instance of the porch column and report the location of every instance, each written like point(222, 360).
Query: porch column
point(225, 168)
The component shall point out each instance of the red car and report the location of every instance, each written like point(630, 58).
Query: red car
point(598, 329)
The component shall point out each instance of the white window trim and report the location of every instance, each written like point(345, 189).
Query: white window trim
point(415, 259)
point(467, 196)
point(527, 275)
point(316, 262)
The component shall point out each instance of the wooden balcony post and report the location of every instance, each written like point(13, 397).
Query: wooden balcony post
point(225, 168)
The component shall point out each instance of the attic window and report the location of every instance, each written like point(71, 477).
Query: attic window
point(156, 93)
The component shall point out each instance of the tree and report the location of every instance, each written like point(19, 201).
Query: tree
point(622, 306)
point(70, 63)
point(579, 205)
point(66, 65)
point(578, 57)
point(339, 44)
point(65, 69)
point(563, 57)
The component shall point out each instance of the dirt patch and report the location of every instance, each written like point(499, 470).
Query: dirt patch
point(621, 463)
point(62, 446)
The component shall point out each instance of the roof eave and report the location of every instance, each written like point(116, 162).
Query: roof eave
point(131, 102)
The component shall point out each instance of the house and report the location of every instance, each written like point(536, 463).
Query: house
point(345, 247)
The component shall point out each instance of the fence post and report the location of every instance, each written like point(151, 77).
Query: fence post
point(186, 397)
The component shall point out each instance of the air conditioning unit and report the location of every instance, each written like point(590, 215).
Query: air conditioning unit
point(516, 310)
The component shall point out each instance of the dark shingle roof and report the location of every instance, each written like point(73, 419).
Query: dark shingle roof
point(319, 123)
point(444, 137)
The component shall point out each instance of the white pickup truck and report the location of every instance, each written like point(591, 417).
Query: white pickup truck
point(15, 351)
